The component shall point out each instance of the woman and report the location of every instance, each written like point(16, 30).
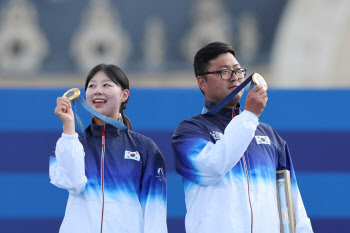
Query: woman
point(116, 179)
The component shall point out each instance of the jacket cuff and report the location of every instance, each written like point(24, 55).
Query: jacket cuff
point(69, 137)
point(250, 116)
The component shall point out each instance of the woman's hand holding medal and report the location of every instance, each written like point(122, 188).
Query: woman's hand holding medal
point(64, 111)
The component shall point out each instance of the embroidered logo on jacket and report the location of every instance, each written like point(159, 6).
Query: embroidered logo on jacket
point(160, 175)
point(262, 140)
point(132, 155)
point(216, 135)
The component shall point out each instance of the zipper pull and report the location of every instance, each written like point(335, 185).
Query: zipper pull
point(103, 135)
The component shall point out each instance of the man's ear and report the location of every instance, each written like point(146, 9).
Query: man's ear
point(202, 83)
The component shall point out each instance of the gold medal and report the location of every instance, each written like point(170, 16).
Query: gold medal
point(258, 79)
point(72, 94)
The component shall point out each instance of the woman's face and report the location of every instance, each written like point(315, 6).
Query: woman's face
point(105, 96)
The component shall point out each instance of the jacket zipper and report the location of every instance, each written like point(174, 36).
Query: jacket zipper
point(102, 173)
point(250, 204)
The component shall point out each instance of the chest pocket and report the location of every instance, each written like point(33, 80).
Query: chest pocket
point(262, 154)
point(123, 169)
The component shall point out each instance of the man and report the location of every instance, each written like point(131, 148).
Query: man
point(229, 160)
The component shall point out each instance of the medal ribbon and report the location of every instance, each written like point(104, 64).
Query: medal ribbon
point(230, 96)
point(87, 107)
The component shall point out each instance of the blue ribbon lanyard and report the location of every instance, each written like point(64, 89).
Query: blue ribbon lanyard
point(87, 107)
point(228, 98)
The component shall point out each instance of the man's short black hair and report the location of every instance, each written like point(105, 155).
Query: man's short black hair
point(208, 53)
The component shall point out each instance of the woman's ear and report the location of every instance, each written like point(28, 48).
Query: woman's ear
point(125, 96)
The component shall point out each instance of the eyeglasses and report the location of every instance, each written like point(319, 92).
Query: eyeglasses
point(226, 74)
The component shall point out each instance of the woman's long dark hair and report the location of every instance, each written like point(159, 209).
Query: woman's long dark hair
point(115, 74)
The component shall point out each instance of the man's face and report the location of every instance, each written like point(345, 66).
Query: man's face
point(215, 89)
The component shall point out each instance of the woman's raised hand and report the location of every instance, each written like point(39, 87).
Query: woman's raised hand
point(65, 113)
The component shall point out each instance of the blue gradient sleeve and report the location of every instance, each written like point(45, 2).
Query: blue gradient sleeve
point(185, 151)
point(204, 154)
point(67, 165)
point(153, 191)
point(52, 159)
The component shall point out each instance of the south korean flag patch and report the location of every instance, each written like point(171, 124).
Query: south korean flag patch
point(262, 140)
point(132, 155)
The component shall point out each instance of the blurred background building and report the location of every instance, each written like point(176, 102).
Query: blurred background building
point(49, 46)
point(292, 43)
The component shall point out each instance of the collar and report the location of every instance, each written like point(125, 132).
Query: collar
point(110, 130)
point(224, 112)
point(96, 130)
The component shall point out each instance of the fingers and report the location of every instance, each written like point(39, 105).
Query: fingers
point(63, 100)
point(259, 90)
point(64, 111)
point(63, 104)
point(256, 100)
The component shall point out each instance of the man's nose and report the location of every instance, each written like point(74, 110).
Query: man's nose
point(233, 77)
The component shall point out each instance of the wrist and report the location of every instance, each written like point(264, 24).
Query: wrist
point(251, 115)
point(252, 112)
point(69, 128)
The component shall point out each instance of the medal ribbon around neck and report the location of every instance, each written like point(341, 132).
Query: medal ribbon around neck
point(255, 79)
point(74, 96)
